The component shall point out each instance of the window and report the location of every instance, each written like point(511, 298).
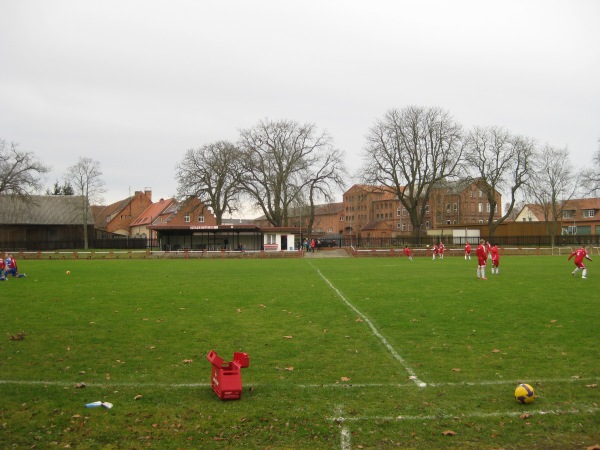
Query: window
point(567, 214)
point(342, 218)
point(487, 208)
point(455, 207)
point(588, 213)
point(403, 226)
point(427, 225)
point(398, 212)
point(447, 207)
point(186, 218)
point(201, 219)
point(271, 239)
point(426, 209)
point(480, 207)
point(447, 221)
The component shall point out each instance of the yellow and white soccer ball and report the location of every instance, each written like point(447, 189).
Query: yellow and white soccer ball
point(68, 272)
point(524, 393)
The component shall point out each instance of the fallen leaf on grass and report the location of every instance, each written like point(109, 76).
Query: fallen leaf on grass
point(525, 416)
point(80, 385)
point(359, 320)
point(591, 386)
point(449, 433)
point(187, 361)
point(18, 337)
point(239, 310)
point(496, 351)
point(288, 368)
point(345, 379)
point(137, 397)
point(456, 369)
point(288, 337)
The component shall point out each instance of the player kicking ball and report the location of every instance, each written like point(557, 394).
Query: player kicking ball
point(579, 255)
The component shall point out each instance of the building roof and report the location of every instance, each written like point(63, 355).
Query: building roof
point(152, 212)
point(42, 210)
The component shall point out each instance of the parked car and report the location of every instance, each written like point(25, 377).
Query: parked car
point(327, 243)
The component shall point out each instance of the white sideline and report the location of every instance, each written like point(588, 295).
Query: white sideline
point(582, 409)
point(299, 386)
point(395, 354)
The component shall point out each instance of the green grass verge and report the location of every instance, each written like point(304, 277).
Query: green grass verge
point(333, 344)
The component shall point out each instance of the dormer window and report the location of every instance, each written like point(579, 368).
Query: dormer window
point(186, 218)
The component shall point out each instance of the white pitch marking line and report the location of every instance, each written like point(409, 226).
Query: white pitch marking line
point(387, 345)
point(344, 432)
point(581, 410)
point(299, 386)
point(101, 385)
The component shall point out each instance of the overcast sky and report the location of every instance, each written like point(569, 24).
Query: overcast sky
point(134, 84)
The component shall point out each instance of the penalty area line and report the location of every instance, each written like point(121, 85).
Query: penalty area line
point(384, 341)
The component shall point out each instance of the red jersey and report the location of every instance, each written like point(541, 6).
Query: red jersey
point(495, 254)
point(442, 248)
point(579, 254)
point(481, 253)
point(407, 251)
point(467, 248)
point(435, 249)
point(2, 265)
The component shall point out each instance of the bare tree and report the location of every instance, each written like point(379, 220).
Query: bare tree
point(590, 178)
point(325, 174)
point(278, 157)
point(409, 151)
point(211, 174)
point(20, 172)
point(518, 206)
point(500, 162)
point(85, 177)
point(552, 184)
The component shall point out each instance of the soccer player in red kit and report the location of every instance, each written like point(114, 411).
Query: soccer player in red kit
point(495, 259)
point(481, 259)
point(441, 249)
point(408, 252)
point(579, 255)
point(436, 250)
point(467, 251)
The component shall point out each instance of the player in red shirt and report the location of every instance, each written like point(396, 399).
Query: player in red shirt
point(579, 255)
point(408, 252)
point(2, 267)
point(467, 251)
point(481, 259)
point(495, 259)
point(436, 250)
point(441, 250)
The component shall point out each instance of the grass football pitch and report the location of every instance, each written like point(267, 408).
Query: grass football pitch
point(352, 353)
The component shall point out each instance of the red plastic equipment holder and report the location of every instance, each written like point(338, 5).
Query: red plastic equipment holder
point(226, 377)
